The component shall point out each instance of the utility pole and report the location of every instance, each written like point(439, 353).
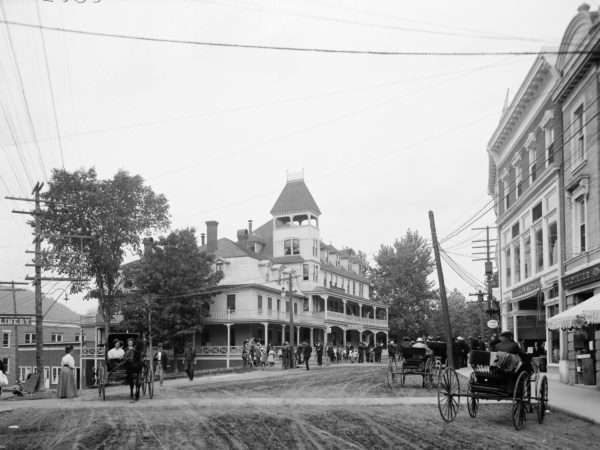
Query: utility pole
point(479, 296)
point(438, 263)
point(489, 273)
point(290, 292)
point(14, 296)
point(37, 279)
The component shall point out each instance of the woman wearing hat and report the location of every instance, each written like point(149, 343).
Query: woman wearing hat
point(67, 388)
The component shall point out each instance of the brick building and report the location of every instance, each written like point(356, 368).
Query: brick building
point(61, 327)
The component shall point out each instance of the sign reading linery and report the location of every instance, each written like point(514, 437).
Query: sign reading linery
point(12, 319)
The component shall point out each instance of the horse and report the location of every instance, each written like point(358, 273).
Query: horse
point(134, 362)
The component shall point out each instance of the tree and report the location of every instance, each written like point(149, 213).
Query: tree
point(113, 213)
point(465, 317)
point(176, 275)
point(400, 280)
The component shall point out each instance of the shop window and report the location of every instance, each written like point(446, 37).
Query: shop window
point(55, 373)
point(6, 363)
point(579, 225)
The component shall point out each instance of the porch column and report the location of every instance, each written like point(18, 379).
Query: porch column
point(325, 297)
point(360, 311)
point(266, 325)
point(344, 301)
point(345, 332)
point(298, 335)
point(515, 329)
point(282, 334)
point(228, 325)
point(312, 338)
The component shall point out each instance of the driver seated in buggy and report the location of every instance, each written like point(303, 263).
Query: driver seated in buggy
point(507, 351)
point(115, 354)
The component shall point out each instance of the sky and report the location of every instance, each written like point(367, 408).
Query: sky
point(382, 139)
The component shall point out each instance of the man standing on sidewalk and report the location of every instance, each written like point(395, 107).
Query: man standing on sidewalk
point(160, 363)
point(319, 349)
point(307, 350)
point(189, 357)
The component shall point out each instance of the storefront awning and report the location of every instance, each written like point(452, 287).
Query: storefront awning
point(587, 312)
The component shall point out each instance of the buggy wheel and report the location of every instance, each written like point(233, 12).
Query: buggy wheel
point(428, 376)
point(521, 398)
point(448, 395)
point(391, 372)
point(472, 400)
point(542, 399)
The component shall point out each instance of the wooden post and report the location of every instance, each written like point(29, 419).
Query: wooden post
point(438, 264)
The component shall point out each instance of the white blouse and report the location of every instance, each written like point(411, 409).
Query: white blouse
point(68, 360)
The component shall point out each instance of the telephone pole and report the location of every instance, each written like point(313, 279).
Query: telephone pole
point(492, 310)
point(37, 279)
point(438, 263)
point(14, 296)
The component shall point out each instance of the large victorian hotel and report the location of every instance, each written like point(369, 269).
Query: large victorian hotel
point(330, 294)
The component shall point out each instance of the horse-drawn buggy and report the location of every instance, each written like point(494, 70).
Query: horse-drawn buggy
point(496, 376)
point(412, 361)
point(126, 361)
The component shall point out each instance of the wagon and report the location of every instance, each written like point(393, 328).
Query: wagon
point(114, 372)
point(412, 361)
point(490, 380)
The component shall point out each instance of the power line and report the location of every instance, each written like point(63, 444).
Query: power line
point(294, 49)
point(29, 119)
point(37, 7)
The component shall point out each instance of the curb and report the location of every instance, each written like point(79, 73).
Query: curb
point(571, 413)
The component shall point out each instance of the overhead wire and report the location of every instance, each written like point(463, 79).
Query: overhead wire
point(22, 88)
point(294, 49)
point(47, 65)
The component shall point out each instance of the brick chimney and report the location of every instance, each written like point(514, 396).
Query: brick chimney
point(211, 236)
point(250, 227)
point(202, 236)
point(242, 238)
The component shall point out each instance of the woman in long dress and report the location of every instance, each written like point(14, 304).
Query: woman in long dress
point(67, 388)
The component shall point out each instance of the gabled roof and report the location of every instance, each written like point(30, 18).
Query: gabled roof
point(295, 197)
point(53, 312)
point(265, 232)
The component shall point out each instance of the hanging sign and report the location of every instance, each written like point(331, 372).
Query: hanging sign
point(492, 323)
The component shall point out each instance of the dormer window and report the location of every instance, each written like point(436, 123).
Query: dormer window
point(219, 266)
point(291, 247)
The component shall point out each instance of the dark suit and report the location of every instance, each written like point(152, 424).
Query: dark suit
point(306, 353)
point(319, 349)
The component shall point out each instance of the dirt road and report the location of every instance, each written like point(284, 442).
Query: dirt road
point(346, 407)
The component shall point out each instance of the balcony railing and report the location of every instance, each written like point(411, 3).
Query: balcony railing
point(303, 318)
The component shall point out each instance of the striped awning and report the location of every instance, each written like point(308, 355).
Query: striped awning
point(585, 313)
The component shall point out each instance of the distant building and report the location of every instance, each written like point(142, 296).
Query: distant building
point(330, 298)
point(61, 327)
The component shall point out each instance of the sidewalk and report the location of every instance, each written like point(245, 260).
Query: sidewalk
point(582, 402)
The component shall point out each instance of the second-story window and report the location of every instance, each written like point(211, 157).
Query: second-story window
point(30, 338)
point(315, 248)
point(219, 266)
point(578, 146)
point(579, 232)
point(56, 337)
point(316, 274)
point(325, 279)
point(291, 247)
point(305, 270)
point(508, 267)
point(6, 339)
point(231, 302)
